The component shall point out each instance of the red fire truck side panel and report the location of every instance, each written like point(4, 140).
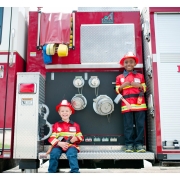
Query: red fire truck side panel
point(34, 56)
point(3, 81)
point(152, 11)
point(8, 107)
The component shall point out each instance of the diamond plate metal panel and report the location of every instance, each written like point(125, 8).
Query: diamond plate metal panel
point(104, 152)
point(108, 155)
point(106, 43)
point(26, 117)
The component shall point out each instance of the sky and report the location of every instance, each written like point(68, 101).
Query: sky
point(70, 5)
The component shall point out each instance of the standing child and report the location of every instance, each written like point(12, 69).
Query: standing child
point(65, 137)
point(131, 85)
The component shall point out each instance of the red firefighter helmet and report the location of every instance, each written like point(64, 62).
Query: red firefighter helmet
point(128, 55)
point(65, 103)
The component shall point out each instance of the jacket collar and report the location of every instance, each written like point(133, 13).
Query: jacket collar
point(70, 121)
point(125, 73)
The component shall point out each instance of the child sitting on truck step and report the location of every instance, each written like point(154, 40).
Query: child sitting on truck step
point(65, 137)
point(131, 85)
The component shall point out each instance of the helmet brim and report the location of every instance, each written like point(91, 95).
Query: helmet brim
point(124, 58)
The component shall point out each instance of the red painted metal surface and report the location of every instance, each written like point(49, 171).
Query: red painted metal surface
point(178, 68)
point(3, 95)
point(164, 9)
point(36, 64)
point(55, 28)
point(7, 97)
point(157, 108)
point(153, 37)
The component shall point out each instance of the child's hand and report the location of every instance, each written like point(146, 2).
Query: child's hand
point(125, 84)
point(137, 85)
point(64, 145)
point(49, 150)
point(73, 139)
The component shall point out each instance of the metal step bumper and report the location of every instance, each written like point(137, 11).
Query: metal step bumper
point(106, 152)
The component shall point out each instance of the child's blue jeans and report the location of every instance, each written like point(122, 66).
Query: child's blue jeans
point(137, 117)
point(71, 154)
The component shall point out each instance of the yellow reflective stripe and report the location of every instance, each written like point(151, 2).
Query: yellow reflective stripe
point(117, 88)
point(54, 141)
point(54, 135)
point(62, 134)
point(127, 87)
point(134, 106)
point(79, 137)
point(79, 134)
point(144, 86)
point(67, 133)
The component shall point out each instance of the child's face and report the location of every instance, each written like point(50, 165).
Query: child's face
point(129, 64)
point(65, 113)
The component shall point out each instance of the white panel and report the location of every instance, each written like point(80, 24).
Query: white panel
point(19, 24)
point(21, 39)
point(169, 94)
point(167, 30)
point(6, 29)
point(168, 33)
point(26, 117)
point(3, 58)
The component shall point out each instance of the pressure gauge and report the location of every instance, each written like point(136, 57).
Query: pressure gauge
point(94, 82)
point(78, 82)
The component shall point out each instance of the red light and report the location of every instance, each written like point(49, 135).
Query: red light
point(27, 88)
point(178, 68)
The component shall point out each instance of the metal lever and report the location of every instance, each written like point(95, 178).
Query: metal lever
point(12, 47)
point(1, 71)
point(39, 28)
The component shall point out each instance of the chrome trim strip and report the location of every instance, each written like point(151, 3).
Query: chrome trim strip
point(88, 66)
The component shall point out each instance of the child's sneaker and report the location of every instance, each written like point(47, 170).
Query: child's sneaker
point(140, 149)
point(129, 149)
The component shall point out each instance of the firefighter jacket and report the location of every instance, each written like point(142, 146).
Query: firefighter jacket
point(63, 129)
point(130, 93)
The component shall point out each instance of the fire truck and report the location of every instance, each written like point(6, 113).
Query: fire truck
point(161, 54)
point(48, 57)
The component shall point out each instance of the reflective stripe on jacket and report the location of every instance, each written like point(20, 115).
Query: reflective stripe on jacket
point(131, 93)
point(65, 130)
